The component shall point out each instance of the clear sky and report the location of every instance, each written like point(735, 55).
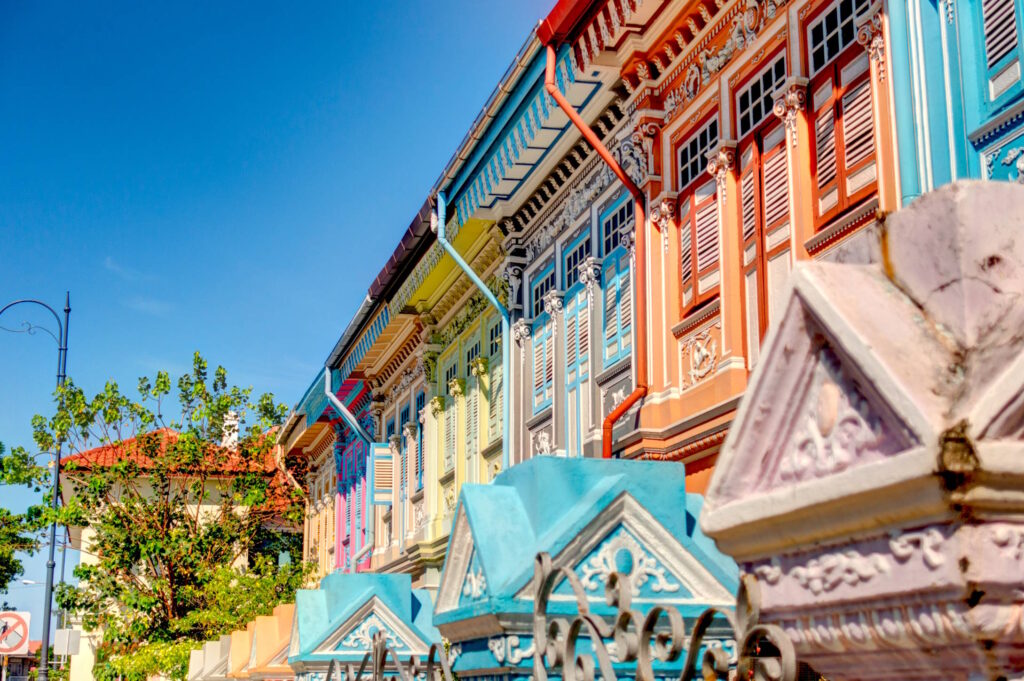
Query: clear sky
point(218, 176)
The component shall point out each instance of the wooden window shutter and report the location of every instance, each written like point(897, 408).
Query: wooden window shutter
point(686, 250)
point(625, 300)
point(584, 330)
point(776, 187)
point(383, 474)
point(611, 292)
point(858, 126)
point(825, 147)
point(999, 24)
point(707, 235)
point(747, 205)
point(571, 336)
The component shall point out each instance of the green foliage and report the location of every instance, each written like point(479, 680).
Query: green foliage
point(174, 515)
point(19, 532)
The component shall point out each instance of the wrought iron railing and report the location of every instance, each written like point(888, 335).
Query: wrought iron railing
point(628, 643)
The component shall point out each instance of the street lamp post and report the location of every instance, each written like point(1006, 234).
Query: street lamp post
point(62, 362)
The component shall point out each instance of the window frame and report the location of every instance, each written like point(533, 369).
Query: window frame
point(689, 204)
point(544, 278)
point(610, 213)
point(580, 244)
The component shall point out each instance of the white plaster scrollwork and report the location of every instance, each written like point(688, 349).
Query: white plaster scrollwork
point(436, 405)
point(542, 443)
point(478, 366)
point(643, 140)
point(903, 547)
point(411, 430)
point(362, 637)
point(449, 500)
point(1014, 157)
point(508, 648)
point(475, 584)
point(828, 571)
point(837, 426)
point(789, 104)
point(720, 164)
point(1011, 540)
point(619, 396)
point(703, 354)
point(645, 567)
point(590, 276)
point(553, 305)
point(521, 332)
point(869, 34)
point(457, 387)
point(419, 516)
point(395, 442)
point(770, 573)
point(513, 274)
point(950, 7)
point(662, 215)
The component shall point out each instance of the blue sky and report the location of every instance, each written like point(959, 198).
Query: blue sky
point(225, 177)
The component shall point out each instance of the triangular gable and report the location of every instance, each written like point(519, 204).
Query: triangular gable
point(355, 635)
point(823, 400)
point(461, 552)
point(626, 538)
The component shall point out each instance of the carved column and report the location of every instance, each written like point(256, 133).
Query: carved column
point(871, 34)
point(554, 306)
point(665, 291)
point(723, 167)
point(519, 389)
point(791, 107)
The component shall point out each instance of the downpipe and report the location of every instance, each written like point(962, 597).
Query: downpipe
point(438, 220)
point(352, 422)
point(640, 229)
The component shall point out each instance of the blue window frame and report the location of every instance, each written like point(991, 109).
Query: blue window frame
point(617, 309)
point(543, 282)
point(543, 363)
point(494, 340)
point(613, 221)
point(421, 402)
point(404, 466)
point(391, 428)
point(1000, 23)
point(494, 368)
point(576, 252)
point(472, 352)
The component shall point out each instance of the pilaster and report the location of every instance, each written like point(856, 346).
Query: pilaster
point(791, 107)
point(871, 34)
point(723, 167)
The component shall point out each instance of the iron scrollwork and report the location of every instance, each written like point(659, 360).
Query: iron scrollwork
point(375, 665)
point(764, 651)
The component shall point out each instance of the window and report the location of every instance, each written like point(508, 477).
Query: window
point(999, 19)
point(450, 373)
point(494, 340)
point(765, 229)
point(543, 364)
point(693, 155)
point(390, 428)
point(754, 102)
point(618, 309)
point(421, 401)
point(577, 353)
point(544, 282)
point(614, 221)
point(472, 352)
point(843, 135)
point(450, 410)
point(576, 253)
point(494, 404)
point(404, 464)
point(833, 31)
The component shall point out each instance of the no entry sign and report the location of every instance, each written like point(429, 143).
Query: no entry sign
point(14, 633)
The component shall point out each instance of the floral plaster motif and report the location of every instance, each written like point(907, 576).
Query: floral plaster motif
point(475, 584)
point(362, 637)
point(508, 648)
point(616, 554)
point(836, 427)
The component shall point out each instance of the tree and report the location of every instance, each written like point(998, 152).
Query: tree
point(174, 513)
point(19, 532)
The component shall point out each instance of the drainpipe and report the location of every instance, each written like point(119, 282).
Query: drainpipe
point(640, 220)
point(352, 422)
point(438, 220)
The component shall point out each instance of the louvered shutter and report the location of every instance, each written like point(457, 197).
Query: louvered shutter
point(999, 23)
point(571, 336)
point(611, 292)
point(584, 330)
point(383, 472)
point(776, 188)
point(538, 360)
point(625, 301)
point(748, 205)
point(858, 126)
point(707, 235)
point(686, 251)
point(494, 404)
point(449, 433)
point(825, 147)
point(472, 412)
point(549, 364)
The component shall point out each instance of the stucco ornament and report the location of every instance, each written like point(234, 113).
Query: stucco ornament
point(478, 367)
point(475, 584)
point(542, 443)
point(508, 648)
point(411, 430)
point(702, 349)
point(436, 405)
point(662, 215)
point(623, 551)
point(871, 36)
point(872, 476)
point(590, 276)
point(788, 105)
point(457, 387)
point(521, 332)
point(837, 427)
point(362, 637)
point(1015, 157)
point(720, 164)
